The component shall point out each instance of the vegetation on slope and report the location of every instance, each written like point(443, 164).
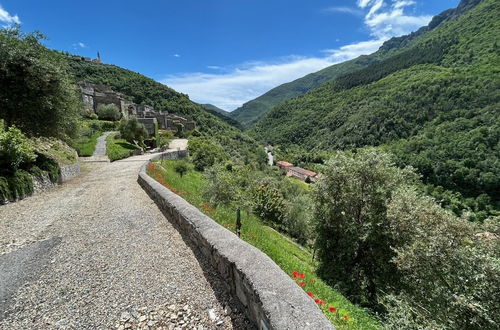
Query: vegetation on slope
point(252, 111)
point(147, 91)
point(444, 108)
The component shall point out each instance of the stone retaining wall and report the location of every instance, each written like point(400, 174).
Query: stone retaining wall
point(69, 171)
point(271, 298)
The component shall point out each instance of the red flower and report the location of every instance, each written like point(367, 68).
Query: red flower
point(319, 301)
point(346, 317)
point(310, 294)
point(332, 309)
point(302, 276)
point(316, 301)
point(302, 283)
point(295, 274)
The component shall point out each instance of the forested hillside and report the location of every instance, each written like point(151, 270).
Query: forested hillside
point(145, 90)
point(252, 111)
point(435, 105)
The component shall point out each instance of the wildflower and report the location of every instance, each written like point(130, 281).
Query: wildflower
point(346, 317)
point(302, 276)
point(310, 294)
point(295, 274)
point(332, 309)
point(302, 283)
point(319, 301)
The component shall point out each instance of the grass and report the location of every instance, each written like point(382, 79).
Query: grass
point(85, 145)
point(118, 148)
point(289, 255)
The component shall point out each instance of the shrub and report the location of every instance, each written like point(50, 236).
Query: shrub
point(298, 218)
point(5, 193)
point(181, 167)
point(20, 184)
point(50, 166)
point(108, 112)
point(268, 202)
point(131, 130)
point(15, 148)
point(205, 153)
point(220, 188)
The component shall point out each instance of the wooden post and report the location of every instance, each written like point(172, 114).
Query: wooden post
point(238, 222)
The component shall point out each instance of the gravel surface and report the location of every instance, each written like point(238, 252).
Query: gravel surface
point(111, 260)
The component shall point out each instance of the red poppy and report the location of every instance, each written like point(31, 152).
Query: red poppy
point(316, 301)
point(319, 301)
point(310, 294)
point(302, 276)
point(346, 317)
point(332, 309)
point(295, 274)
point(302, 283)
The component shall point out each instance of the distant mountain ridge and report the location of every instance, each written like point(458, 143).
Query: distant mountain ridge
point(434, 104)
point(249, 113)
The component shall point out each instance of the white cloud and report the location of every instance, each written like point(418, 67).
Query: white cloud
point(230, 90)
point(79, 45)
point(344, 10)
point(177, 55)
point(231, 87)
point(8, 18)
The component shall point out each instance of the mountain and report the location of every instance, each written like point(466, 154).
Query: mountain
point(252, 111)
point(211, 107)
point(144, 90)
point(435, 104)
point(222, 115)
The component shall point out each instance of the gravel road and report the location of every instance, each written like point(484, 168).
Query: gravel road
point(97, 253)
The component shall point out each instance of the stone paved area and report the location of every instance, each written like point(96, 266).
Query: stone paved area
point(97, 253)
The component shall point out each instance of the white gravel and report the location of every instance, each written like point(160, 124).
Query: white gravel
point(118, 256)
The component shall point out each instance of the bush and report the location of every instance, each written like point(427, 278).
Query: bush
point(20, 184)
point(108, 112)
point(15, 148)
point(298, 219)
point(131, 130)
point(205, 153)
point(50, 166)
point(181, 167)
point(118, 148)
point(268, 202)
point(5, 194)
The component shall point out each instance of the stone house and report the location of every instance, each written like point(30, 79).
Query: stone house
point(285, 166)
point(301, 174)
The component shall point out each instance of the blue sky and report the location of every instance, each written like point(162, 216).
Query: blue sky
point(224, 52)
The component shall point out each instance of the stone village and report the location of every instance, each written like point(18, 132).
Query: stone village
point(95, 94)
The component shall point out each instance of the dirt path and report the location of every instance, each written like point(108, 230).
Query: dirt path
point(97, 253)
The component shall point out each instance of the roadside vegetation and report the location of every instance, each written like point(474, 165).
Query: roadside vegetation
point(118, 148)
point(377, 238)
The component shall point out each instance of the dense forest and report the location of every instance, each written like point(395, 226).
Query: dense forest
point(434, 105)
point(249, 113)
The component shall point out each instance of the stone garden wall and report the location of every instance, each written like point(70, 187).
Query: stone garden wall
point(271, 298)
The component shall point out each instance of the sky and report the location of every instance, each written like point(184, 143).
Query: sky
point(223, 52)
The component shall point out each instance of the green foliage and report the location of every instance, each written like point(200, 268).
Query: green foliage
point(48, 165)
point(5, 194)
point(15, 148)
point(220, 188)
point(20, 185)
point(354, 247)
point(36, 91)
point(181, 167)
point(108, 112)
point(164, 138)
point(131, 130)
point(119, 148)
point(205, 153)
point(268, 202)
point(448, 267)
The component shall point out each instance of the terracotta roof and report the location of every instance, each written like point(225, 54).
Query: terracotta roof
point(283, 163)
point(303, 171)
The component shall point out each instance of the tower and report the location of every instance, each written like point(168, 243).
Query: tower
point(99, 58)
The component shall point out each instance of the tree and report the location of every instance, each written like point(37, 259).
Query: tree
point(133, 131)
point(204, 153)
point(181, 167)
point(36, 92)
point(354, 244)
point(108, 112)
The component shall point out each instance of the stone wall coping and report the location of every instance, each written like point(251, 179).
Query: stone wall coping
point(271, 298)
